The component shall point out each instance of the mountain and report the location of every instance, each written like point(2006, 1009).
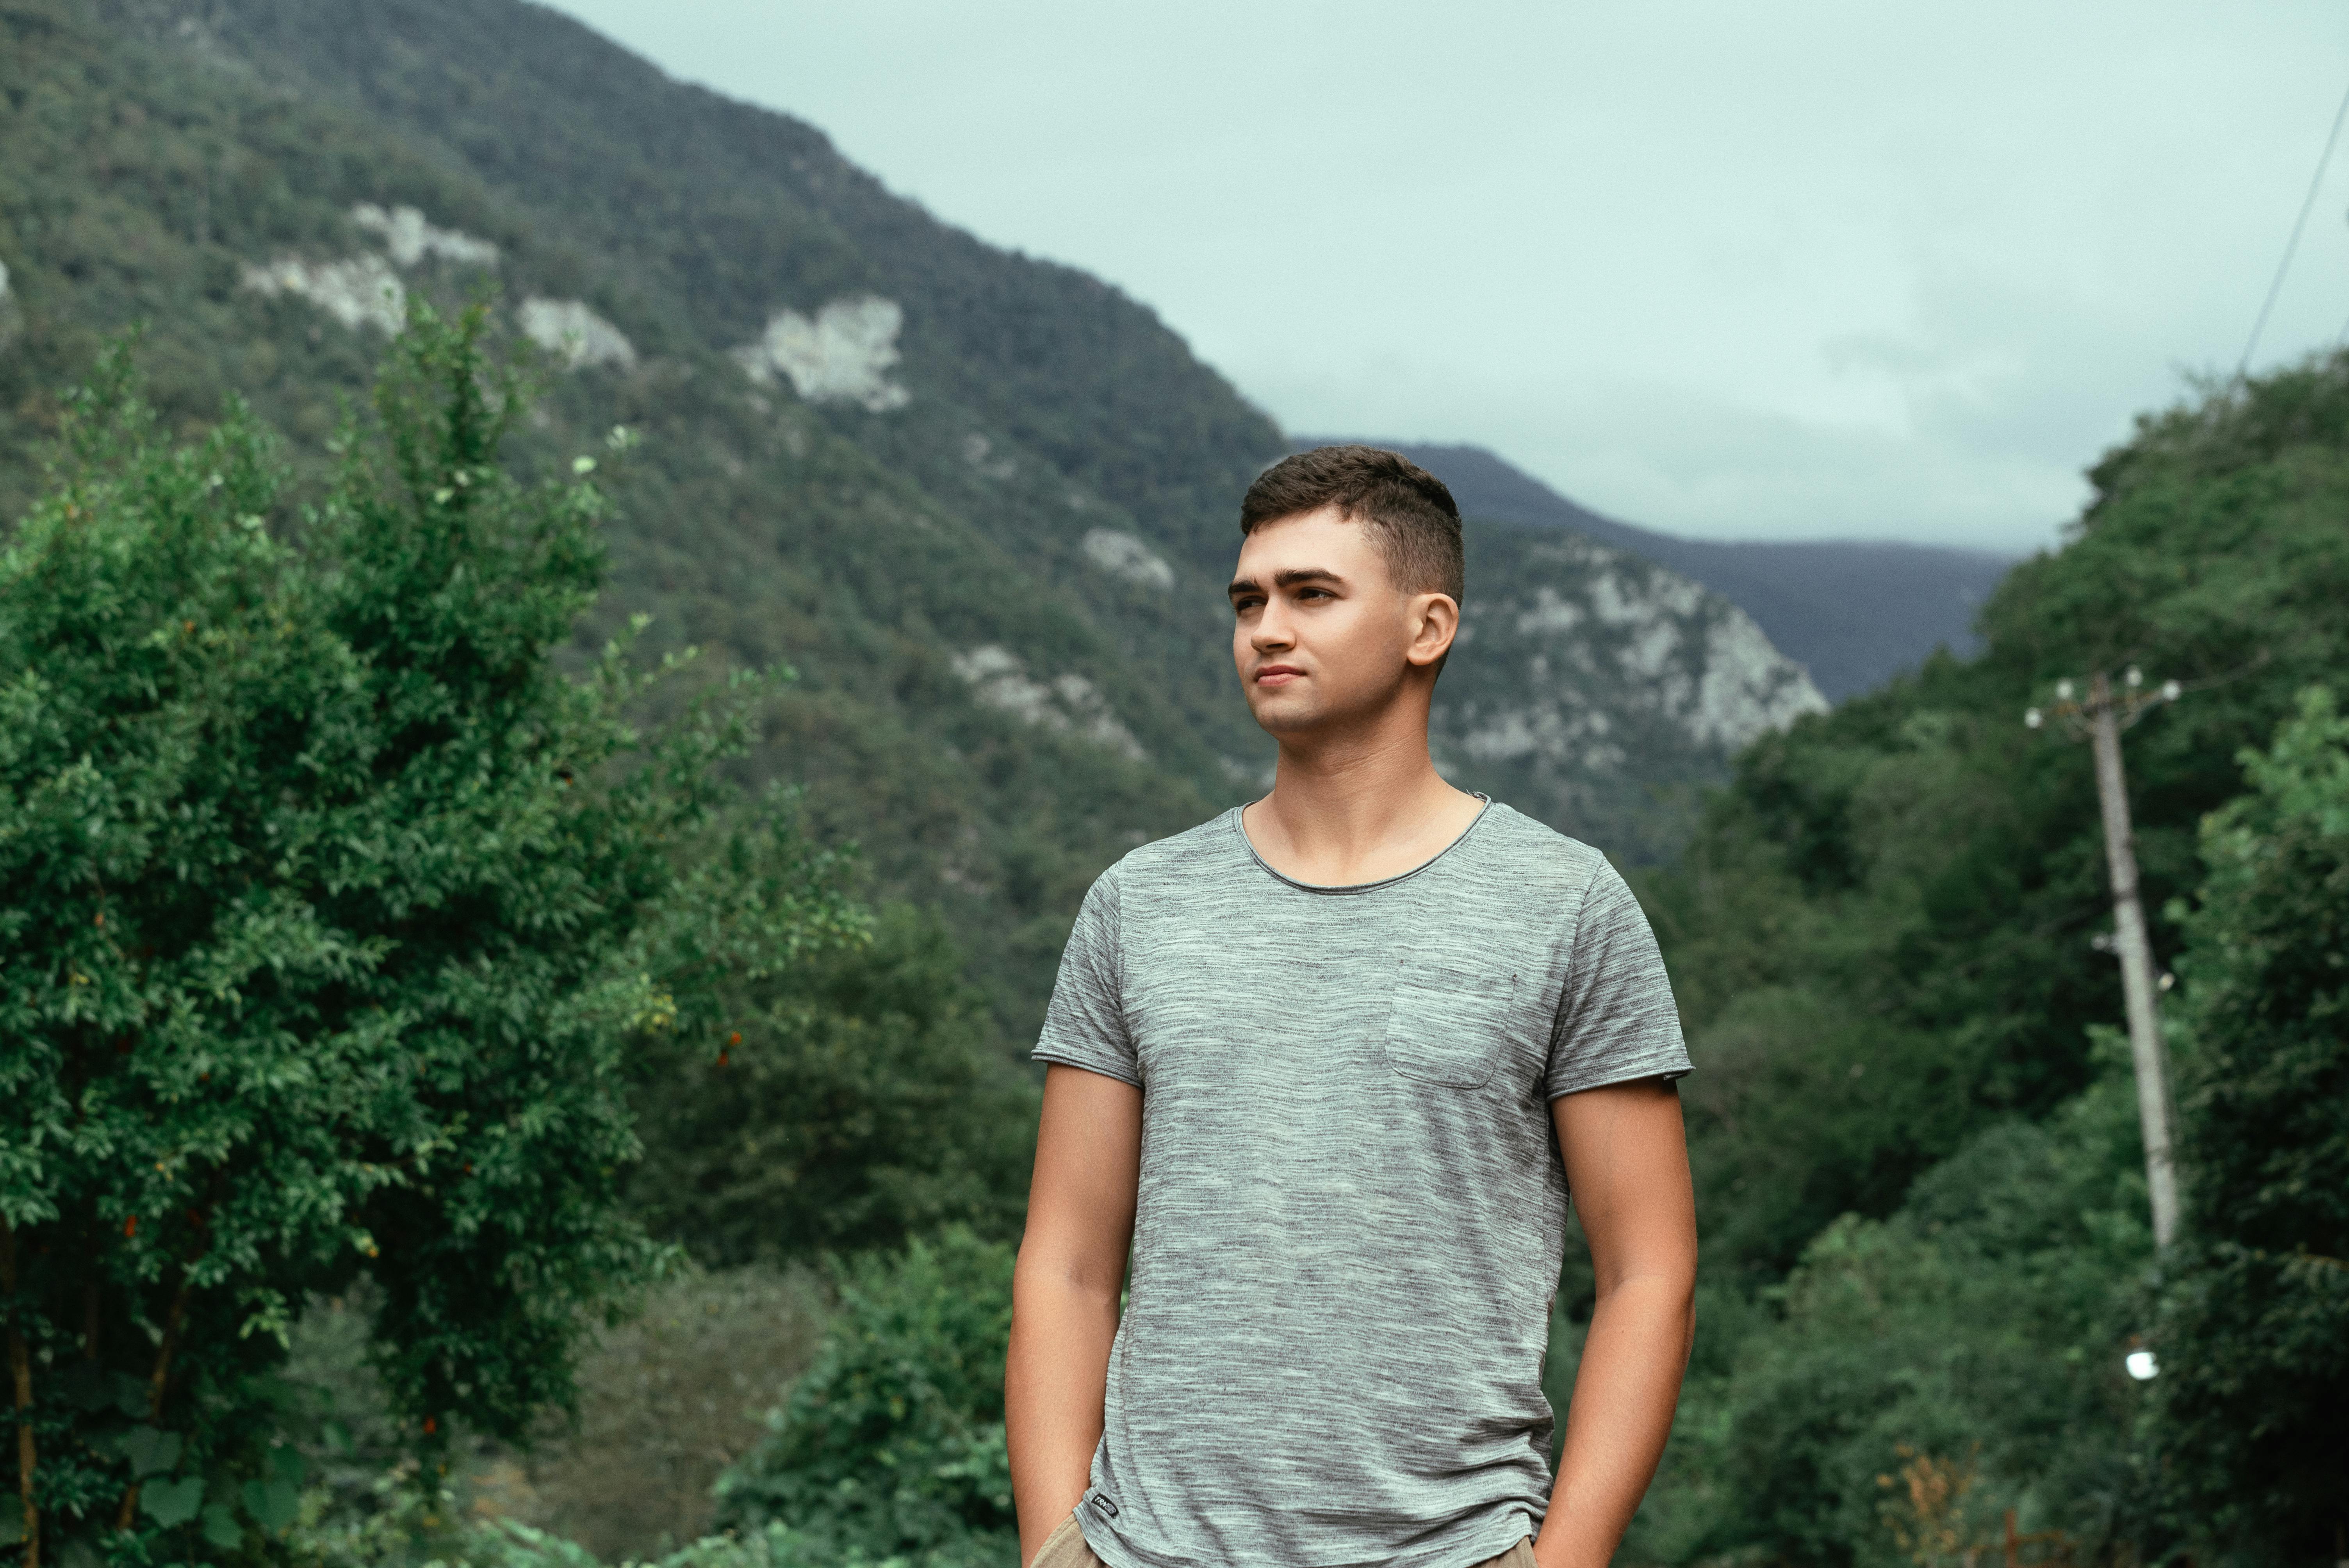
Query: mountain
point(1606, 689)
point(983, 504)
point(1854, 613)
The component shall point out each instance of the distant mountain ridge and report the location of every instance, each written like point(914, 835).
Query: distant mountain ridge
point(1855, 613)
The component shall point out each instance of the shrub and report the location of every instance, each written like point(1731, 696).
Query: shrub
point(892, 1446)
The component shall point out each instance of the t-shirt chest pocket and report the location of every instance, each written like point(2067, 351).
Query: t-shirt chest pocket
point(1456, 1024)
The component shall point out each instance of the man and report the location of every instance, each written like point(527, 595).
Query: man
point(1329, 1065)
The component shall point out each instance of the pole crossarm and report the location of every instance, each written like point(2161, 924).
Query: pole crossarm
point(2077, 716)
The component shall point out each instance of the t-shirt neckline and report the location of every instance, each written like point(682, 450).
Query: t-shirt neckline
point(1240, 829)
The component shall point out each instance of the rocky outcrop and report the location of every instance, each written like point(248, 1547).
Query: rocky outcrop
point(1123, 555)
point(409, 238)
point(1068, 703)
point(356, 291)
point(841, 354)
point(364, 290)
point(576, 337)
point(1583, 672)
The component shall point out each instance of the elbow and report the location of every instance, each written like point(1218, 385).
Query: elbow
point(1073, 1276)
point(1664, 1293)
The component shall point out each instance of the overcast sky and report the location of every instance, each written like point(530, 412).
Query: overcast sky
point(1737, 270)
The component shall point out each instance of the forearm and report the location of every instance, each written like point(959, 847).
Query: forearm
point(1624, 1391)
point(1054, 1381)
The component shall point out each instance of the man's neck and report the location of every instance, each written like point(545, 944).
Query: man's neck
point(1361, 810)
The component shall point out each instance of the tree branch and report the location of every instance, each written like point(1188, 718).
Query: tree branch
point(20, 1369)
point(160, 1379)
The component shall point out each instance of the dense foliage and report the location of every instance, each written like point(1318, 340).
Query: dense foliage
point(1885, 941)
point(331, 912)
point(891, 1447)
point(852, 1103)
point(2254, 1335)
point(1972, 1341)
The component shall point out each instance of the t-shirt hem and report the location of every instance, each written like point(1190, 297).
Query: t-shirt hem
point(1070, 1059)
point(1665, 1064)
point(1517, 1526)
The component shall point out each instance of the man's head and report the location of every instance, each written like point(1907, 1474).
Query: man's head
point(1349, 586)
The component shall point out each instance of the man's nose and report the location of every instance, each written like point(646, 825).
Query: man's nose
point(1271, 631)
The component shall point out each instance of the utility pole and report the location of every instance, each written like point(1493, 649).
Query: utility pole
point(2100, 719)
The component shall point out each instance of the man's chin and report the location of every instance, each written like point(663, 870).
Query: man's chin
point(1274, 716)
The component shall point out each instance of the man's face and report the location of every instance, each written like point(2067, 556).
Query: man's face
point(1322, 633)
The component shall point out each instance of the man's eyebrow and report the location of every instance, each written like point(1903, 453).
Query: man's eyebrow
point(1289, 578)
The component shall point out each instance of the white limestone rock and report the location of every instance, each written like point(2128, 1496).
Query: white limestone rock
point(575, 335)
point(842, 354)
point(358, 291)
point(976, 450)
point(1749, 687)
point(1068, 703)
point(1123, 555)
point(363, 290)
point(1586, 663)
point(408, 237)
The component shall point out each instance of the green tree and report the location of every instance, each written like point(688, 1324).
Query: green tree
point(2254, 1336)
point(1976, 1336)
point(891, 1447)
point(853, 1101)
point(329, 911)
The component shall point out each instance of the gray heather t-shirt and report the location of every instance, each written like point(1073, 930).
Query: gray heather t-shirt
point(1351, 1208)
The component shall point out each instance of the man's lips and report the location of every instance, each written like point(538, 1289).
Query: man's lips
point(1277, 675)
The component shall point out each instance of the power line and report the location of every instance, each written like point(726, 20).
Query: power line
point(2283, 266)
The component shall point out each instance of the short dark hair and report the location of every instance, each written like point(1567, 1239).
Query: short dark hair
point(1410, 514)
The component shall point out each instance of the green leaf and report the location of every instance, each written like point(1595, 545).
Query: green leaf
point(171, 1502)
point(150, 1451)
point(12, 1526)
point(339, 1439)
point(274, 1504)
point(287, 1462)
point(221, 1527)
point(131, 1396)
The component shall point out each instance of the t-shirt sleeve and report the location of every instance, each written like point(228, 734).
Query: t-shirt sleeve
point(1085, 1026)
point(1617, 1020)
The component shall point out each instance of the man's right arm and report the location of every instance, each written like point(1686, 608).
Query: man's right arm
point(1064, 1292)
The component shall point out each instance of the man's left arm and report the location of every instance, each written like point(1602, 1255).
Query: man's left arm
point(1627, 1165)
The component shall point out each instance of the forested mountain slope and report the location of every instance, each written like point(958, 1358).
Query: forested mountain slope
point(1919, 1172)
point(982, 504)
point(1887, 927)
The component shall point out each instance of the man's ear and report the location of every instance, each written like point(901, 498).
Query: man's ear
point(1436, 621)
